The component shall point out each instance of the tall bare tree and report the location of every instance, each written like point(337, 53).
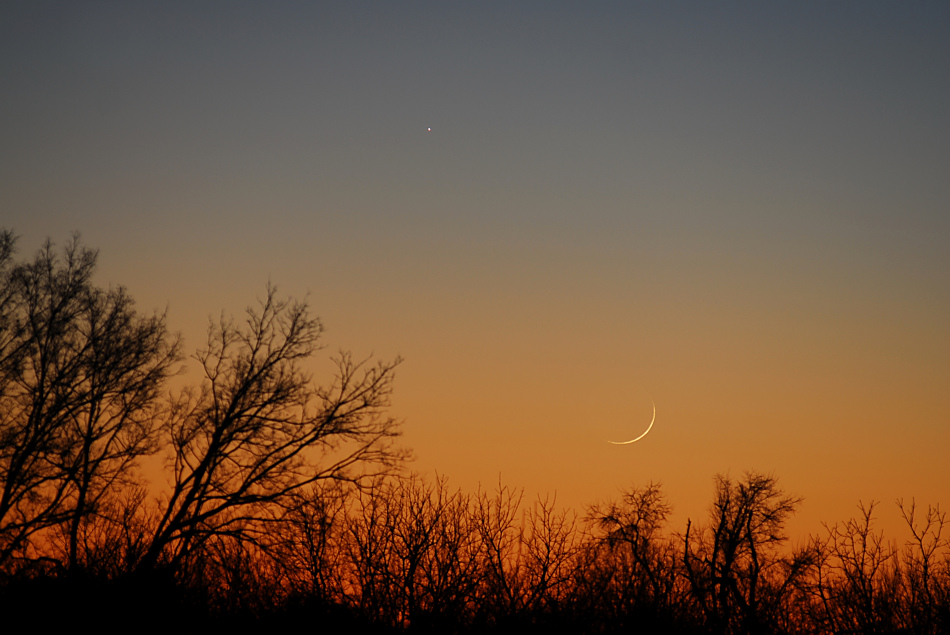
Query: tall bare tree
point(81, 374)
point(258, 430)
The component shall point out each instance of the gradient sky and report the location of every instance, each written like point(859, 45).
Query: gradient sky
point(738, 210)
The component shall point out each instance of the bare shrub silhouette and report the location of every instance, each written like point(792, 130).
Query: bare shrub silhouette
point(413, 553)
point(926, 565)
point(865, 583)
point(550, 548)
point(496, 523)
point(308, 547)
point(424, 557)
point(113, 538)
point(858, 577)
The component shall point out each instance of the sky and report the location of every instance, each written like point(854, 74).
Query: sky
point(737, 212)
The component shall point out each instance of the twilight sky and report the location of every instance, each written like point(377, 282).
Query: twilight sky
point(739, 211)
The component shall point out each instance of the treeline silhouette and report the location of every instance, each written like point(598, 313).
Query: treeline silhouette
point(287, 504)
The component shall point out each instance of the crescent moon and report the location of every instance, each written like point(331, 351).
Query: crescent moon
point(642, 435)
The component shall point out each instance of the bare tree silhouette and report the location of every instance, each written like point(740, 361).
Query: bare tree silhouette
point(81, 373)
point(550, 546)
point(738, 576)
point(634, 568)
point(926, 565)
point(258, 431)
point(861, 584)
point(496, 522)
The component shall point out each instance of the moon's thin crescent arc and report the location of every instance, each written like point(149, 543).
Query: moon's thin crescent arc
point(642, 435)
